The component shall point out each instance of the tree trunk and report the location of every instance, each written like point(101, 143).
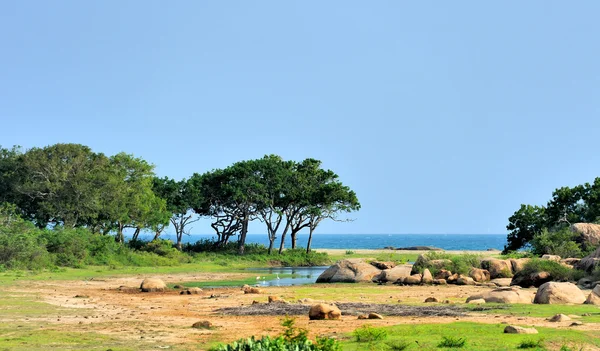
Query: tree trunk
point(271, 242)
point(242, 240)
point(282, 243)
point(293, 237)
point(309, 239)
point(136, 234)
point(120, 237)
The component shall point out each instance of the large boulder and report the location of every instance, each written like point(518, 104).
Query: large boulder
point(324, 311)
point(515, 329)
point(352, 270)
point(383, 265)
point(427, 277)
point(594, 297)
point(497, 268)
point(589, 262)
point(559, 293)
point(504, 295)
point(463, 280)
point(501, 281)
point(517, 264)
point(554, 258)
point(424, 262)
point(153, 285)
point(589, 234)
point(479, 275)
point(393, 274)
point(535, 279)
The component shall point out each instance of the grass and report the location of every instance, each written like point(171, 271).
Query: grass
point(367, 333)
point(481, 337)
point(532, 344)
point(452, 342)
point(588, 313)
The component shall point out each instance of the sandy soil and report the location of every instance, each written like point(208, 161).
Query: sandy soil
point(159, 320)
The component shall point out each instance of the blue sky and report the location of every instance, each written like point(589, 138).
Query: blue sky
point(442, 116)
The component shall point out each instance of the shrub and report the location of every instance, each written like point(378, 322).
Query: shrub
point(350, 252)
point(531, 344)
point(449, 341)
point(367, 333)
point(561, 242)
point(398, 345)
point(292, 339)
point(460, 264)
point(556, 270)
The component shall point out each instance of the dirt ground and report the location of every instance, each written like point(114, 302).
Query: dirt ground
point(164, 320)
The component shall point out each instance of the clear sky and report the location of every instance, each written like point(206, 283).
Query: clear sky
point(442, 116)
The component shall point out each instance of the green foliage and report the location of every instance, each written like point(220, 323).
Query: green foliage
point(450, 341)
point(561, 242)
point(367, 333)
point(350, 252)
point(460, 264)
point(398, 345)
point(531, 344)
point(524, 224)
point(292, 339)
point(558, 271)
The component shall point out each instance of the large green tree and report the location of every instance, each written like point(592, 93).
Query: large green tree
point(180, 197)
point(524, 224)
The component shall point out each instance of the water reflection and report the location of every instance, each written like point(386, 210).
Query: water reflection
point(299, 275)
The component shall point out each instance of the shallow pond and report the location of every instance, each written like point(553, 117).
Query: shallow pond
point(289, 275)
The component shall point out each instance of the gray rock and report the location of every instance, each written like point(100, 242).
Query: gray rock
point(352, 270)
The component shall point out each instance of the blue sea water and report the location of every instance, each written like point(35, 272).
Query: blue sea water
point(377, 241)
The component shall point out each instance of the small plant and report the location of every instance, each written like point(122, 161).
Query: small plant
point(398, 345)
point(367, 333)
point(567, 348)
point(449, 341)
point(350, 252)
point(531, 344)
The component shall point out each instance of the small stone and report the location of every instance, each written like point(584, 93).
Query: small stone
point(576, 323)
point(559, 318)
point(375, 316)
point(431, 299)
point(515, 329)
point(203, 325)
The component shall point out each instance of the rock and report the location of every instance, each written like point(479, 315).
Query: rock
point(393, 274)
point(363, 316)
point(324, 311)
point(594, 297)
point(501, 281)
point(492, 249)
point(476, 301)
point(585, 283)
point(375, 316)
point(559, 293)
point(515, 329)
point(419, 248)
point(307, 300)
point(443, 274)
point(177, 286)
point(251, 290)
point(462, 280)
point(427, 277)
point(589, 234)
point(559, 318)
point(575, 324)
point(383, 265)
point(570, 261)
point(203, 325)
point(439, 264)
point(504, 295)
point(254, 302)
point(453, 278)
point(274, 299)
point(589, 262)
point(414, 279)
point(517, 264)
point(153, 285)
point(352, 270)
point(431, 299)
point(554, 258)
point(479, 275)
point(534, 279)
point(194, 291)
point(424, 262)
point(497, 268)
point(440, 282)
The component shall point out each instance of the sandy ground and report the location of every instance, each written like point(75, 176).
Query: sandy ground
point(161, 320)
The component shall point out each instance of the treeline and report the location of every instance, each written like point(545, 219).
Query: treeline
point(70, 186)
point(546, 229)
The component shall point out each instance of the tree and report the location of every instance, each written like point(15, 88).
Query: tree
point(61, 184)
point(180, 197)
point(130, 201)
point(524, 224)
point(9, 159)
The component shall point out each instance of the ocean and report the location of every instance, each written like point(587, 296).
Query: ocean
point(375, 241)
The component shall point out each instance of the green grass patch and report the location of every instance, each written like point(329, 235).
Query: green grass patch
point(452, 342)
point(481, 337)
point(588, 313)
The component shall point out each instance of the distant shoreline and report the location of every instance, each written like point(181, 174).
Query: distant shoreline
point(339, 252)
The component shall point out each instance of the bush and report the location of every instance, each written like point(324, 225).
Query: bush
point(449, 341)
point(398, 345)
point(531, 344)
point(292, 339)
point(367, 333)
point(561, 242)
point(557, 271)
point(460, 264)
